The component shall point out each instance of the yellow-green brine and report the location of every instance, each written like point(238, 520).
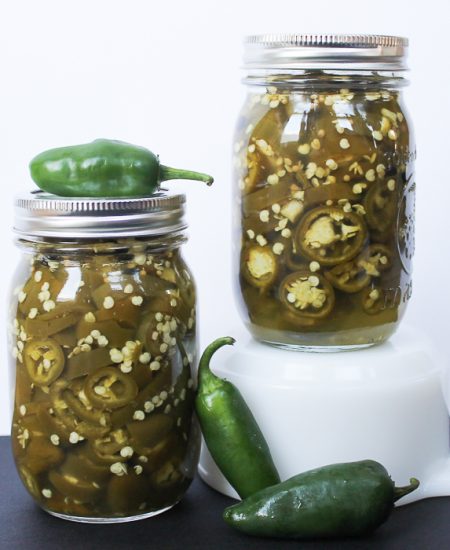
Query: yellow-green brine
point(324, 186)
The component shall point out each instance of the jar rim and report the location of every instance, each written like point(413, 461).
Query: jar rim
point(39, 214)
point(326, 51)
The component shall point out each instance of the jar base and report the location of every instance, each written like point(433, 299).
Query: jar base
point(317, 349)
point(343, 340)
point(81, 519)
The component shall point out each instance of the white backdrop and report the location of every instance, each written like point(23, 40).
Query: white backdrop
point(166, 75)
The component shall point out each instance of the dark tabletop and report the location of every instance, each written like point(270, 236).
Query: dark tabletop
point(195, 523)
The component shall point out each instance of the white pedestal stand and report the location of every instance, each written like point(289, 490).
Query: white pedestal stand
point(385, 403)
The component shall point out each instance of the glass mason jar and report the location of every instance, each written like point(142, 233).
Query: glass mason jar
point(325, 186)
point(103, 340)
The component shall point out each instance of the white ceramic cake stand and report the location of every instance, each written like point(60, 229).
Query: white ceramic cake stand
point(385, 403)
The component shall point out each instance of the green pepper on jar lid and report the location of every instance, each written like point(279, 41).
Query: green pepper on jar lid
point(104, 168)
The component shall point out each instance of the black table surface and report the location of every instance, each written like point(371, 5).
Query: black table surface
point(195, 523)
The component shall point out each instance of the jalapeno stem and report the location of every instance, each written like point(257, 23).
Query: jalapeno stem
point(400, 492)
point(168, 173)
point(206, 378)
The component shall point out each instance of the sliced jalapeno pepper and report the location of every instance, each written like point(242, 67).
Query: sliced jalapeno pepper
point(161, 381)
point(72, 487)
point(267, 196)
point(114, 333)
point(259, 266)
point(271, 124)
point(254, 223)
point(255, 172)
point(376, 259)
point(330, 236)
point(123, 311)
point(152, 285)
point(147, 433)
point(82, 406)
point(68, 403)
point(52, 424)
point(375, 300)
point(109, 388)
point(168, 303)
point(355, 275)
point(41, 454)
point(150, 335)
point(309, 296)
point(57, 320)
point(381, 206)
point(157, 455)
point(78, 465)
point(44, 361)
point(106, 450)
point(29, 481)
point(315, 196)
point(349, 277)
point(125, 494)
point(41, 283)
point(293, 260)
point(66, 338)
point(24, 389)
point(87, 361)
point(168, 475)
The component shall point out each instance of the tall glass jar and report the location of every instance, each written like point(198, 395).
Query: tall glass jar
point(103, 341)
point(325, 190)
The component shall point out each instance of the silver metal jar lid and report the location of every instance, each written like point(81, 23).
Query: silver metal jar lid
point(326, 51)
point(39, 214)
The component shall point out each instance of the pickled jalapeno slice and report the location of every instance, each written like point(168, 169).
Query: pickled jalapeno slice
point(75, 488)
point(307, 295)
point(376, 300)
point(349, 277)
point(62, 394)
point(380, 206)
point(44, 361)
point(29, 480)
point(330, 236)
point(82, 406)
point(355, 275)
point(265, 197)
point(373, 301)
point(109, 388)
point(106, 450)
point(43, 454)
point(259, 266)
point(376, 259)
point(292, 259)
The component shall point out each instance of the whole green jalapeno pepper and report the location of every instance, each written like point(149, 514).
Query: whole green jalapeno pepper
point(104, 168)
point(230, 430)
point(339, 500)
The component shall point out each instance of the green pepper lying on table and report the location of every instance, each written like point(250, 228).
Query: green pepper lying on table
point(338, 500)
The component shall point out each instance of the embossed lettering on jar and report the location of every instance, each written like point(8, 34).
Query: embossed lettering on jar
point(323, 169)
point(102, 332)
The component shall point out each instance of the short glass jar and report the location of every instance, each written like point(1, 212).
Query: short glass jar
point(325, 186)
point(103, 341)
